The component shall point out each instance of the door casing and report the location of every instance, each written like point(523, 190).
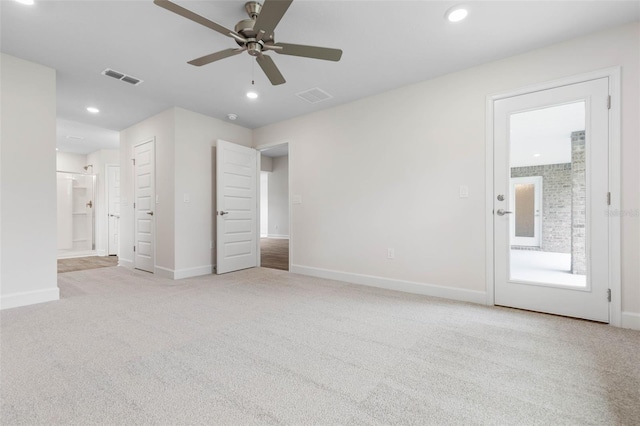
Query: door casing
point(136, 265)
point(614, 75)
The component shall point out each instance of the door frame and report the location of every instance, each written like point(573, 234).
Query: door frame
point(107, 195)
point(614, 76)
point(135, 222)
point(261, 148)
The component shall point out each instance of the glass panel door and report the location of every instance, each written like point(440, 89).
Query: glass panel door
point(547, 144)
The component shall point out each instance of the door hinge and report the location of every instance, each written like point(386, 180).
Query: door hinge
point(609, 294)
point(134, 161)
point(134, 205)
point(608, 198)
point(609, 102)
point(134, 249)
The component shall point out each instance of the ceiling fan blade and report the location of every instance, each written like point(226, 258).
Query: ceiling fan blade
point(309, 51)
point(271, 13)
point(207, 59)
point(270, 69)
point(186, 13)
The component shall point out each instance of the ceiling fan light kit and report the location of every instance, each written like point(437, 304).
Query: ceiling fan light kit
point(255, 36)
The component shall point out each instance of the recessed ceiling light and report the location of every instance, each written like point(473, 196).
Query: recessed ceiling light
point(27, 2)
point(232, 116)
point(537, 155)
point(93, 110)
point(252, 95)
point(456, 13)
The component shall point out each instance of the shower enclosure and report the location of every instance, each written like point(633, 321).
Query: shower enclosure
point(76, 218)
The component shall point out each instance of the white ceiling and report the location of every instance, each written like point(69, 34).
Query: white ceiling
point(543, 136)
point(80, 138)
point(386, 44)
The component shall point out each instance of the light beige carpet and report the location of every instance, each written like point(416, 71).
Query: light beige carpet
point(263, 346)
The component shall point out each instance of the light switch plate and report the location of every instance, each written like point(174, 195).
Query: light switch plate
point(296, 199)
point(186, 198)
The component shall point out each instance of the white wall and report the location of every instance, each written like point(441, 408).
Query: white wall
point(99, 160)
point(70, 162)
point(384, 172)
point(279, 198)
point(161, 128)
point(28, 267)
point(266, 163)
point(196, 137)
point(185, 144)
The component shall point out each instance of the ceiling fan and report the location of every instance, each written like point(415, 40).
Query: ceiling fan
point(255, 36)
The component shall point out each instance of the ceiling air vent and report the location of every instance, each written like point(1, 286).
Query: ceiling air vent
point(314, 95)
point(122, 77)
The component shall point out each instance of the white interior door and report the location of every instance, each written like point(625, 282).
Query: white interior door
point(144, 181)
point(525, 202)
point(237, 207)
point(540, 133)
point(113, 191)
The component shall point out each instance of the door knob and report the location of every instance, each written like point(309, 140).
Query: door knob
point(90, 204)
point(222, 213)
point(501, 212)
point(150, 213)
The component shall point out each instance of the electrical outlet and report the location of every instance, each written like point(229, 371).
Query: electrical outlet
point(391, 253)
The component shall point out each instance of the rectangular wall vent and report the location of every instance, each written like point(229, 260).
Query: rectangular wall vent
point(314, 95)
point(122, 77)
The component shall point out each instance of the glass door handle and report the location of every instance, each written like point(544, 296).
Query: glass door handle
point(501, 212)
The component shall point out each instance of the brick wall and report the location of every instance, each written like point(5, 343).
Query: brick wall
point(578, 204)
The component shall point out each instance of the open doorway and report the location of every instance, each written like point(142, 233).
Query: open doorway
point(274, 208)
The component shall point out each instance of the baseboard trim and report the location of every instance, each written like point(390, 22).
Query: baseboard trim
point(178, 274)
point(127, 263)
point(15, 300)
point(630, 320)
point(393, 284)
point(102, 252)
point(278, 236)
point(163, 272)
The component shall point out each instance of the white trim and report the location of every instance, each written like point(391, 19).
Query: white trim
point(268, 145)
point(278, 236)
point(102, 252)
point(489, 185)
point(614, 76)
point(125, 263)
point(178, 274)
point(615, 187)
point(163, 272)
point(258, 207)
point(193, 272)
point(155, 192)
point(459, 294)
point(630, 320)
point(15, 300)
point(264, 147)
point(107, 166)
